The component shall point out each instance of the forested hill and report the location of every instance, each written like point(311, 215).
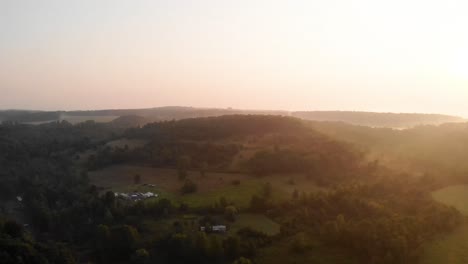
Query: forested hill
point(224, 143)
point(391, 120)
point(210, 128)
point(436, 150)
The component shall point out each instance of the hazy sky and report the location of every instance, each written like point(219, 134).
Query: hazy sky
point(371, 55)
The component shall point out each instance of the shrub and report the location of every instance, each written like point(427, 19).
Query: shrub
point(300, 244)
point(189, 187)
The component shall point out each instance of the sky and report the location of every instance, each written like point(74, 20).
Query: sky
point(360, 55)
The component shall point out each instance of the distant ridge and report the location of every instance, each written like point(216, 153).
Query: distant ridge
point(373, 119)
point(138, 117)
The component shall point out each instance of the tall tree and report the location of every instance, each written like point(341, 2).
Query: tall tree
point(230, 213)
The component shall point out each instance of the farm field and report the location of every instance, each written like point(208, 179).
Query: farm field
point(451, 248)
point(210, 188)
point(239, 195)
point(318, 254)
point(257, 222)
point(456, 196)
point(120, 177)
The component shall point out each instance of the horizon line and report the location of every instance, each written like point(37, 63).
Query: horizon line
point(232, 109)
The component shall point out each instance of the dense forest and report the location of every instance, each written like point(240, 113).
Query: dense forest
point(366, 209)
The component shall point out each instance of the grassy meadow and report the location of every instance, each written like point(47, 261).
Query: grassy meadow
point(453, 247)
point(210, 188)
point(456, 196)
point(281, 252)
point(257, 222)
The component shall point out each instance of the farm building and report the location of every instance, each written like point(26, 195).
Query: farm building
point(219, 228)
point(215, 229)
point(136, 196)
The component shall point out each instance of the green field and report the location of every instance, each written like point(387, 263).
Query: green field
point(451, 248)
point(121, 176)
point(280, 252)
point(257, 222)
point(240, 195)
point(456, 196)
point(211, 187)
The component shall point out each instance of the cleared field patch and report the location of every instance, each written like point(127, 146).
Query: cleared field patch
point(167, 179)
point(236, 188)
point(450, 248)
point(456, 196)
point(280, 252)
point(210, 188)
point(239, 195)
point(256, 222)
point(158, 228)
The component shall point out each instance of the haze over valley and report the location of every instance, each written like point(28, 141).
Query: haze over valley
point(233, 132)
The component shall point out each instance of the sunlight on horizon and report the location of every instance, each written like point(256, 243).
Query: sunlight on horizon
point(399, 56)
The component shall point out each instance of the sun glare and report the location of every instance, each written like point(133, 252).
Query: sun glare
point(460, 65)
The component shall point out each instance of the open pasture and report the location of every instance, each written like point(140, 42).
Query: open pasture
point(456, 196)
point(210, 188)
point(281, 252)
point(167, 179)
point(257, 222)
point(453, 247)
